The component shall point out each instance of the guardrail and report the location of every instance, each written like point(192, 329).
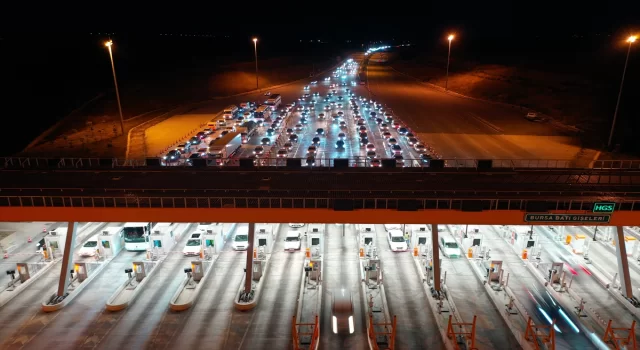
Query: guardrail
point(131, 200)
point(320, 162)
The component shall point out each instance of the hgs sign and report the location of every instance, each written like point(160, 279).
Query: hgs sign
point(604, 207)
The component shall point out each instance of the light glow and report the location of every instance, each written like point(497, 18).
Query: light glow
point(632, 39)
point(450, 37)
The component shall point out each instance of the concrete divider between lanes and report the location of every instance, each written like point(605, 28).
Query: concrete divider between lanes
point(256, 288)
point(189, 290)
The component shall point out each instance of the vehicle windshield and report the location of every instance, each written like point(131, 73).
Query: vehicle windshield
point(241, 238)
point(91, 244)
point(134, 234)
point(451, 245)
point(193, 243)
point(293, 239)
point(397, 239)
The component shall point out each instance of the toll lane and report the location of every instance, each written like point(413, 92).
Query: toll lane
point(416, 326)
point(208, 323)
point(470, 298)
point(341, 271)
point(270, 324)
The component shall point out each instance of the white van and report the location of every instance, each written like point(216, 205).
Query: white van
point(89, 247)
point(449, 246)
point(241, 238)
point(292, 241)
point(231, 109)
point(396, 241)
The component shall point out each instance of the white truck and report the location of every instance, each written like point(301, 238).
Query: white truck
point(224, 147)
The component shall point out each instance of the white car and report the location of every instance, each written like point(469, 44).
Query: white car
point(448, 246)
point(193, 246)
point(292, 241)
point(241, 239)
point(295, 225)
point(89, 248)
point(390, 227)
point(396, 241)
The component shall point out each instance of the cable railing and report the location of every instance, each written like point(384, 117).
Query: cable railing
point(319, 161)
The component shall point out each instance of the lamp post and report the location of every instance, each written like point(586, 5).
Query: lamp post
point(108, 44)
point(630, 40)
point(446, 83)
point(255, 51)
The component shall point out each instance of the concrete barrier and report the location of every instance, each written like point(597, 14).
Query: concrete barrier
point(184, 297)
point(47, 307)
point(7, 295)
point(255, 286)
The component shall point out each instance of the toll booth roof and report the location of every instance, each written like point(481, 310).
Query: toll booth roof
point(629, 238)
point(579, 236)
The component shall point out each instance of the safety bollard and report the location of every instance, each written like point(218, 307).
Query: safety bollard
point(362, 252)
point(255, 253)
point(415, 251)
point(524, 254)
point(308, 252)
point(470, 253)
point(567, 241)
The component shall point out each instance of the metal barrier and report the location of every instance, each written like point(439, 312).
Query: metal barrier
point(297, 331)
point(615, 164)
point(130, 200)
point(320, 161)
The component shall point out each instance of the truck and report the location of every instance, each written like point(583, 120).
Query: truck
point(224, 147)
point(247, 130)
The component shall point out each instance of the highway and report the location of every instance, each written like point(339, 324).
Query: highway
point(466, 128)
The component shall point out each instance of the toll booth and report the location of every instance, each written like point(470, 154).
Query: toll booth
point(471, 238)
point(213, 241)
point(522, 237)
point(555, 273)
point(111, 242)
point(316, 269)
point(630, 242)
point(161, 239)
point(420, 235)
point(493, 270)
point(23, 272)
point(264, 237)
point(579, 243)
point(373, 271)
point(55, 241)
point(315, 241)
point(82, 271)
point(139, 270)
point(197, 270)
point(367, 240)
point(258, 269)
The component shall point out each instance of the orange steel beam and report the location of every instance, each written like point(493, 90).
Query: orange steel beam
point(268, 215)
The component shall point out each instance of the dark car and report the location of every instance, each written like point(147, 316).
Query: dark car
point(293, 138)
point(270, 131)
point(172, 156)
point(265, 141)
point(195, 140)
point(316, 140)
point(320, 131)
point(340, 144)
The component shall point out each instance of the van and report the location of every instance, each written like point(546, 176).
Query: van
point(396, 241)
point(231, 109)
point(212, 124)
point(449, 246)
point(241, 238)
point(292, 241)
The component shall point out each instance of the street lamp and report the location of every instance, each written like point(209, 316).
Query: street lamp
point(108, 44)
point(446, 83)
point(255, 51)
point(630, 40)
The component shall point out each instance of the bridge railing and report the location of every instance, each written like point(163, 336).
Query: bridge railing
point(318, 162)
point(133, 200)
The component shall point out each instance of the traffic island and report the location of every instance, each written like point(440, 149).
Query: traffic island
point(248, 300)
point(28, 273)
point(381, 328)
point(190, 288)
point(139, 275)
point(306, 329)
point(81, 276)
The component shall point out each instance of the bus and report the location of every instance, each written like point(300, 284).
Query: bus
point(136, 235)
point(263, 112)
point(274, 101)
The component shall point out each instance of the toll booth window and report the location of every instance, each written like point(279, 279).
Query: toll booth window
point(476, 242)
point(368, 240)
point(315, 241)
point(106, 244)
point(157, 243)
point(531, 244)
point(422, 240)
point(53, 244)
point(209, 242)
point(262, 242)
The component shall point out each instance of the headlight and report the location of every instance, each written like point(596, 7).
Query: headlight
point(334, 322)
point(351, 328)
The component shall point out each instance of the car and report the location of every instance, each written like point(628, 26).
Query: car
point(89, 247)
point(294, 225)
point(425, 158)
point(292, 241)
point(360, 122)
point(274, 125)
point(268, 93)
point(303, 120)
point(314, 82)
point(299, 108)
point(342, 319)
point(340, 114)
point(270, 131)
point(343, 124)
point(312, 149)
point(362, 128)
point(375, 162)
point(193, 246)
point(194, 141)
point(306, 95)
point(370, 147)
point(373, 115)
point(201, 135)
point(363, 141)
point(386, 134)
point(412, 141)
point(320, 131)
point(288, 146)
point(282, 153)
point(224, 133)
point(396, 149)
point(289, 131)
point(321, 116)
point(316, 94)
point(384, 127)
point(448, 246)
point(311, 161)
point(371, 154)
point(306, 87)
point(342, 136)
point(533, 117)
point(340, 98)
point(396, 125)
point(399, 160)
point(258, 150)
point(340, 144)
point(339, 105)
point(409, 135)
point(315, 140)
point(194, 156)
point(392, 141)
point(420, 148)
point(293, 138)
point(327, 108)
point(402, 131)
point(241, 239)
point(396, 241)
point(298, 127)
point(172, 156)
point(265, 141)
point(183, 148)
point(379, 121)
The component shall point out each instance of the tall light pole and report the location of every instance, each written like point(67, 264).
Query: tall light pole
point(446, 83)
point(108, 44)
point(255, 51)
point(630, 40)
